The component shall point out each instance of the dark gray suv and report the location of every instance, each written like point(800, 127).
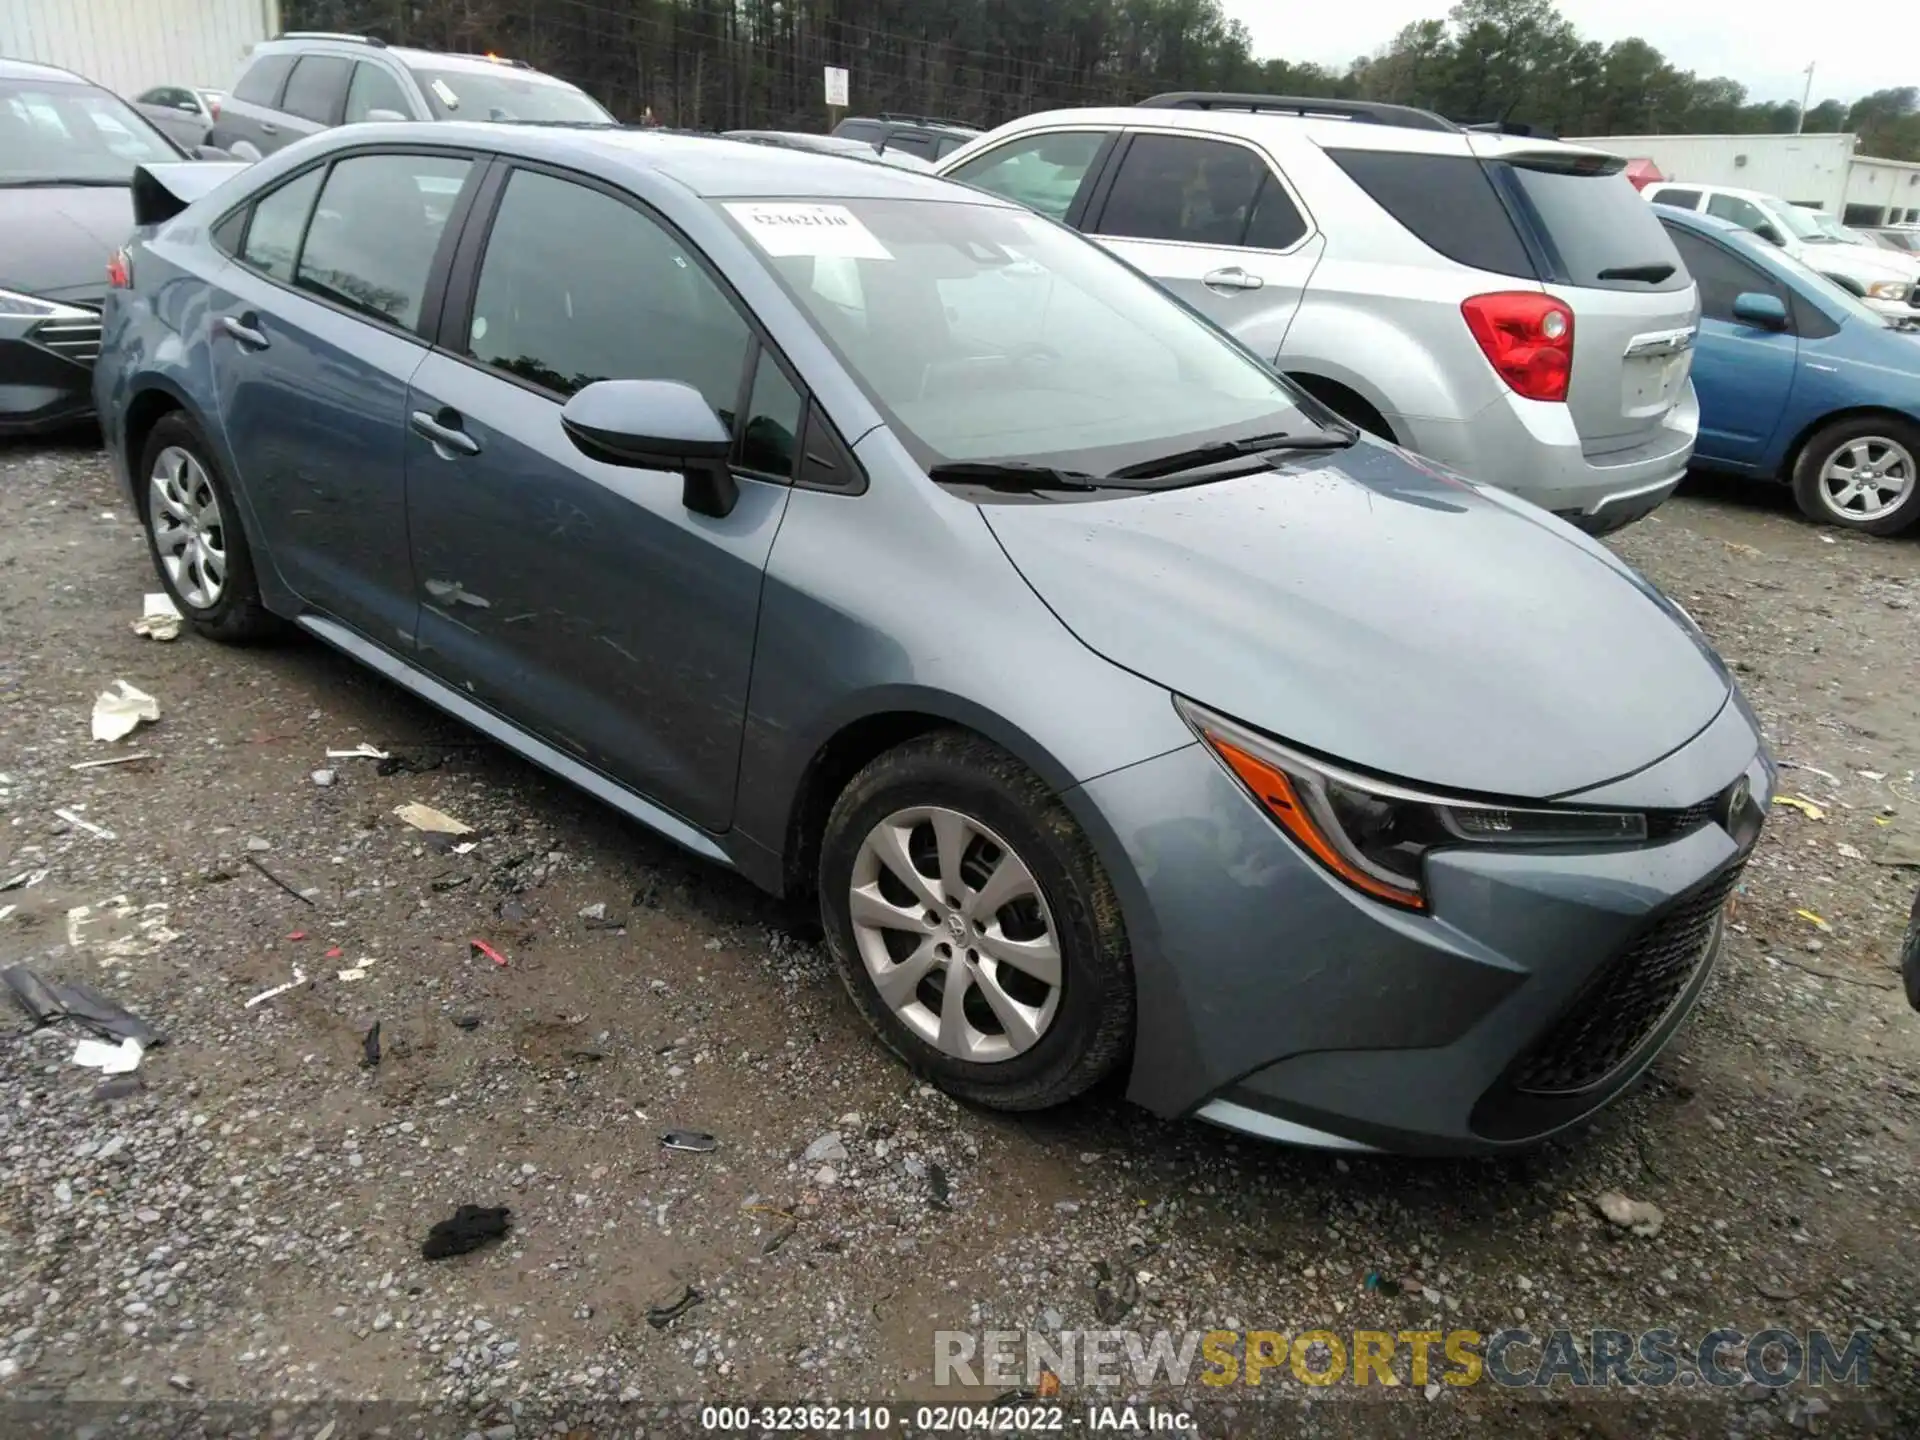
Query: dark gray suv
point(308, 81)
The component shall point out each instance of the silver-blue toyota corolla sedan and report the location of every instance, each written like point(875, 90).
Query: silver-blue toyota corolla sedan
point(895, 546)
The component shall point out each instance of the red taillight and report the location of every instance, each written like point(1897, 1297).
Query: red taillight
point(1527, 337)
point(120, 270)
point(213, 107)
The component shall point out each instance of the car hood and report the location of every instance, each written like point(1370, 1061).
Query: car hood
point(1384, 612)
point(55, 243)
point(1854, 260)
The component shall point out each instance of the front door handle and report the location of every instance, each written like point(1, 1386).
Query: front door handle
point(246, 330)
point(1231, 278)
point(445, 433)
point(267, 127)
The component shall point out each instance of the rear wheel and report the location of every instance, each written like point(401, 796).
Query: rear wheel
point(1863, 473)
point(973, 925)
point(194, 531)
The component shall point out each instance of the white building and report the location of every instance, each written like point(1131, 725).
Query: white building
point(1818, 170)
point(132, 45)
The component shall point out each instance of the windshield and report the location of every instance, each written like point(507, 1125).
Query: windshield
point(1799, 223)
point(53, 132)
point(984, 333)
point(1830, 228)
point(506, 94)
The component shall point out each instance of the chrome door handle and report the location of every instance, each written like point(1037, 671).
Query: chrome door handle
point(1232, 277)
point(246, 334)
point(444, 437)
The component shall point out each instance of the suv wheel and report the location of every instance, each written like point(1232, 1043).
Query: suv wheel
point(1863, 473)
point(193, 529)
point(973, 925)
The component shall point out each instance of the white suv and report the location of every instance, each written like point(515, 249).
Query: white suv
point(1504, 305)
point(1883, 281)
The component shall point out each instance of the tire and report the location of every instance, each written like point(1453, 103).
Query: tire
point(1889, 446)
point(197, 521)
point(1062, 1038)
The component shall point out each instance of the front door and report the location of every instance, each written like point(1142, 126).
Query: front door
point(581, 600)
point(1742, 373)
point(314, 335)
point(1211, 221)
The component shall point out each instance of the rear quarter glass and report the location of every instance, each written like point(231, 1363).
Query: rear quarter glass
point(261, 84)
point(1446, 201)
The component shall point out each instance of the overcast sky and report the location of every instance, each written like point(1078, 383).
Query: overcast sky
point(1856, 45)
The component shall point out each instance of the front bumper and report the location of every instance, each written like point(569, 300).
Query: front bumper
point(1277, 1001)
point(46, 373)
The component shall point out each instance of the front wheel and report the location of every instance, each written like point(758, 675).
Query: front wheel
point(1861, 473)
point(973, 925)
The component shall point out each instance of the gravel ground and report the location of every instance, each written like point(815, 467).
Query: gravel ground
point(243, 1223)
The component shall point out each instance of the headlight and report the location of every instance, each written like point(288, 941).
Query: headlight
point(31, 307)
point(1375, 835)
point(1887, 290)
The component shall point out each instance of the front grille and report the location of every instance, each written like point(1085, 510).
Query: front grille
point(76, 340)
point(1628, 1000)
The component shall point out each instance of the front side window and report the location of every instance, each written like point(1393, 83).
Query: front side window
point(577, 286)
point(374, 88)
point(505, 94)
point(1041, 172)
point(1722, 276)
point(279, 220)
point(375, 231)
point(1197, 192)
point(772, 433)
point(73, 134)
point(318, 84)
point(984, 332)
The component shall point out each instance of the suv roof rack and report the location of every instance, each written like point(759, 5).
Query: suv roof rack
point(1510, 127)
point(505, 60)
point(372, 40)
point(900, 119)
point(1366, 111)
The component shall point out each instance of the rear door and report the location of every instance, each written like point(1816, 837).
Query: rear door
point(1213, 222)
point(1635, 308)
point(250, 118)
point(315, 96)
point(1743, 373)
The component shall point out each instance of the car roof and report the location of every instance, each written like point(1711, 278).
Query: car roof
point(1695, 220)
point(1733, 190)
point(29, 70)
point(708, 166)
point(406, 54)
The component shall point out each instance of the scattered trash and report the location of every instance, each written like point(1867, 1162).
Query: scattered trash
point(299, 979)
point(255, 863)
point(159, 620)
point(1853, 852)
point(110, 760)
point(1805, 806)
point(467, 1022)
point(450, 882)
point(1815, 921)
point(480, 947)
point(26, 879)
point(117, 930)
point(49, 1001)
point(335, 952)
point(6, 911)
point(362, 751)
point(425, 817)
point(466, 847)
point(470, 1228)
point(322, 778)
point(121, 1059)
point(1828, 540)
point(939, 1188)
point(117, 713)
point(1385, 1284)
point(696, 1140)
point(1642, 1217)
point(298, 935)
point(595, 911)
point(80, 822)
point(1874, 775)
point(370, 1048)
point(661, 1316)
point(358, 970)
point(1827, 775)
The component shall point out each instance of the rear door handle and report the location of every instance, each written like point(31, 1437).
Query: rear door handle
point(1232, 277)
point(445, 433)
point(245, 330)
point(267, 127)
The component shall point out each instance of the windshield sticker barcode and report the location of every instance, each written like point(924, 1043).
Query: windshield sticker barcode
point(794, 229)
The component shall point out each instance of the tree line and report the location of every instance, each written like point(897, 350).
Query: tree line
point(725, 64)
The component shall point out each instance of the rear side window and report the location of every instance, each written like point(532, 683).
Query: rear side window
point(1275, 223)
point(1685, 199)
point(314, 93)
point(279, 219)
point(375, 231)
point(1197, 192)
point(261, 84)
point(1598, 229)
point(1446, 201)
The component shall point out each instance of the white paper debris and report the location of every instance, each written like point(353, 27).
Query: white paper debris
point(110, 760)
point(120, 1059)
point(80, 823)
point(118, 930)
point(362, 751)
point(358, 970)
point(798, 229)
point(159, 619)
point(299, 979)
point(119, 711)
point(23, 880)
point(466, 847)
point(425, 817)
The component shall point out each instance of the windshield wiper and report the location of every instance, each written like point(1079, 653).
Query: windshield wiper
point(1652, 273)
point(48, 182)
point(1232, 450)
point(1015, 476)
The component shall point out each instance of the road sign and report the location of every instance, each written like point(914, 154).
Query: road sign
point(836, 86)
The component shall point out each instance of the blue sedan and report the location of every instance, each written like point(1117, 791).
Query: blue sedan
point(1799, 381)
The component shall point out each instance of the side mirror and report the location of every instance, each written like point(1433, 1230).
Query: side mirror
point(656, 425)
point(1768, 233)
point(1765, 312)
point(381, 116)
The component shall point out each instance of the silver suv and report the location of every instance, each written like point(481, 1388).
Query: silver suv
point(1505, 305)
point(309, 81)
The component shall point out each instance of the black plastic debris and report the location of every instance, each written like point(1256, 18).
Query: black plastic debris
point(370, 1048)
point(471, 1227)
point(941, 1191)
point(118, 1088)
point(254, 861)
point(450, 882)
point(467, 1022)
point(697, 1140)
point(47, 1002)
point(661, 1316)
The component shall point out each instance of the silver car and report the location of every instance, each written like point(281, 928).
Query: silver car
point(1501, 304)
point(185, 112)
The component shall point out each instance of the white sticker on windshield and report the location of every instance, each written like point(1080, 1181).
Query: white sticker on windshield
point(795, 229)
point(445, 92)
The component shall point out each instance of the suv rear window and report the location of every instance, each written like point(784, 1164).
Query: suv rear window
point(1602, 233)
point(1447, 201)
point(261, 84)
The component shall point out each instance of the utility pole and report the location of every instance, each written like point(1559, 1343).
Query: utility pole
point(1800, 120)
